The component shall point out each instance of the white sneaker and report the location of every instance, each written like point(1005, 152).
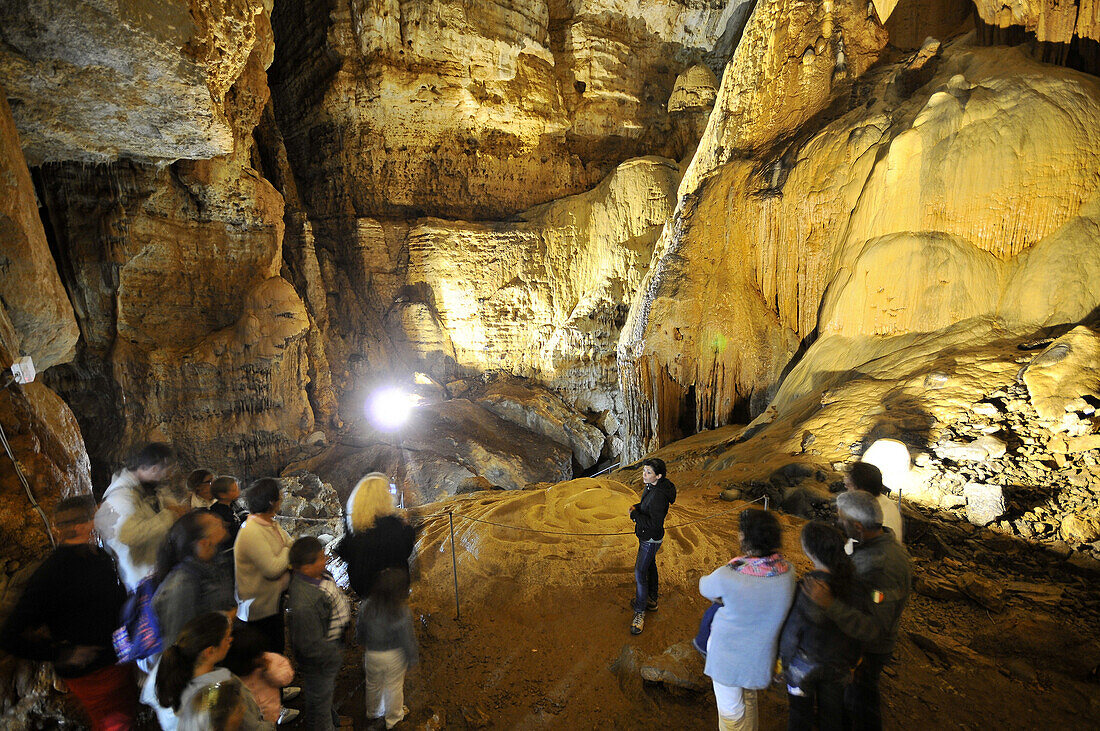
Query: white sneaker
point(287, 715)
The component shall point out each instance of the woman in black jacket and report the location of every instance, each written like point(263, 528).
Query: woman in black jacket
point(376, 538)
point(817, 657)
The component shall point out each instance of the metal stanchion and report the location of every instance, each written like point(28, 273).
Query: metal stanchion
point(454, 562)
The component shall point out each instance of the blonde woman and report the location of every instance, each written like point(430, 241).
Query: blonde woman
point(377, 538)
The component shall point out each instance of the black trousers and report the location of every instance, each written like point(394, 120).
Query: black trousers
point(862, 700)
point(822, 707)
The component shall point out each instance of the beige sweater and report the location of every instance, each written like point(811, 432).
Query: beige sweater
point(260, 553)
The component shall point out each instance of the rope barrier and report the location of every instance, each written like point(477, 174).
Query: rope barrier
point(572, 533)
point(526, 529)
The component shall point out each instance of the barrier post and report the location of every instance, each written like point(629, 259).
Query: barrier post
point(454, 562)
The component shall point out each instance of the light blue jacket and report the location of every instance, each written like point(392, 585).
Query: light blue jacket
point(744, 637)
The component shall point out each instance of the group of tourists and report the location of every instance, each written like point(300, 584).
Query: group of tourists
point(215, 594)
point(225, 589)
point(833, 632)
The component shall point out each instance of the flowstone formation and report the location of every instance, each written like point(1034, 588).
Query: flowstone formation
point(849, 227)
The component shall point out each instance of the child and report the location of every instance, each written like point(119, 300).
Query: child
point(386, 632)
point(217, 706)
point(191, 664)
point(263, 673)
point(226, 490)
point(199, 482)
point(318, 613)
point(817, 657)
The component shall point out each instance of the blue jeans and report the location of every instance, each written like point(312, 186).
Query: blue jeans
point(318, 681)
point(645, 574)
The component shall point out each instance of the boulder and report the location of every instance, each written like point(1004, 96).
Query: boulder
point(989, 594)
point(445, 448)
point(680, 666)
point(1062, 373)
point(984, 503)
point(1081, 527)
point(980, 450)
point(544, 413)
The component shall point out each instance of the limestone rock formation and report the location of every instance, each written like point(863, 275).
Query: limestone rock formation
point(466, 110)
point(446, 448)
point(39, 320)
point(95, 81)
point(544, 297)
point(190, 335)
point(36, 319)
point(545, 414)
point(911, 182)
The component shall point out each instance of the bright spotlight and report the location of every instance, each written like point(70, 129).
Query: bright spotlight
point(389, 408)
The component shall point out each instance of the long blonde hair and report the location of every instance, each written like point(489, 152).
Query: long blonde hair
point(371, 499)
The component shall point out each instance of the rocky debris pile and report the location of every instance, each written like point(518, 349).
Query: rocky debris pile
point(1004, 466)
point(311, 508)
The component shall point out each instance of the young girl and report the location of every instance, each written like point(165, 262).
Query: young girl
point(385, 630)
point(218, 706)
point(817, 657)
point(264, 673)
point(190, 665)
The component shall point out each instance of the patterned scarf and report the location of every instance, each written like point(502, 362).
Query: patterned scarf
point(763, 566)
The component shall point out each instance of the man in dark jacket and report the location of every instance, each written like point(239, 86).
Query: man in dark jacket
point(648, 515)
point(883, 566)
point(67, 614)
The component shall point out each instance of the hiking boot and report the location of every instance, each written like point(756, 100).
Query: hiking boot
point(291, 692)
point(287, 715)
point(637, 623)
point(651, 605)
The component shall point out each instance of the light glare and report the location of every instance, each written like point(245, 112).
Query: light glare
point(389, 408)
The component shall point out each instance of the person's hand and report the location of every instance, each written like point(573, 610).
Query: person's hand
point(818, 591)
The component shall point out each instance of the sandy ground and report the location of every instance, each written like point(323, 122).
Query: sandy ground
point(525, 657)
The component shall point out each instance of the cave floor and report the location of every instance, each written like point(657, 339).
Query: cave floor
point(549, 662)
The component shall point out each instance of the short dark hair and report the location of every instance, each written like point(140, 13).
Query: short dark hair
point(657, 464)
point(305, 551)
point(74, 510)
point(198, 476)
point(262, 494)
point(151, 455)
point(760, 532)
point(222, 484)
point(865, 476)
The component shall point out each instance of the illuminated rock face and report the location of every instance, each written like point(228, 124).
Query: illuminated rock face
point(474, 110)
point(929, 204)
point(544, 298)
point(36, 319)
point(144, 80)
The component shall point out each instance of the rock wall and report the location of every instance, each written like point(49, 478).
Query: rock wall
point(923, 166)
point(454, 109)
point(36, 319)
point(190, 334)
point(145, 80)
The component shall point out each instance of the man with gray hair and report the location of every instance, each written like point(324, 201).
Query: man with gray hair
point(883, 567)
